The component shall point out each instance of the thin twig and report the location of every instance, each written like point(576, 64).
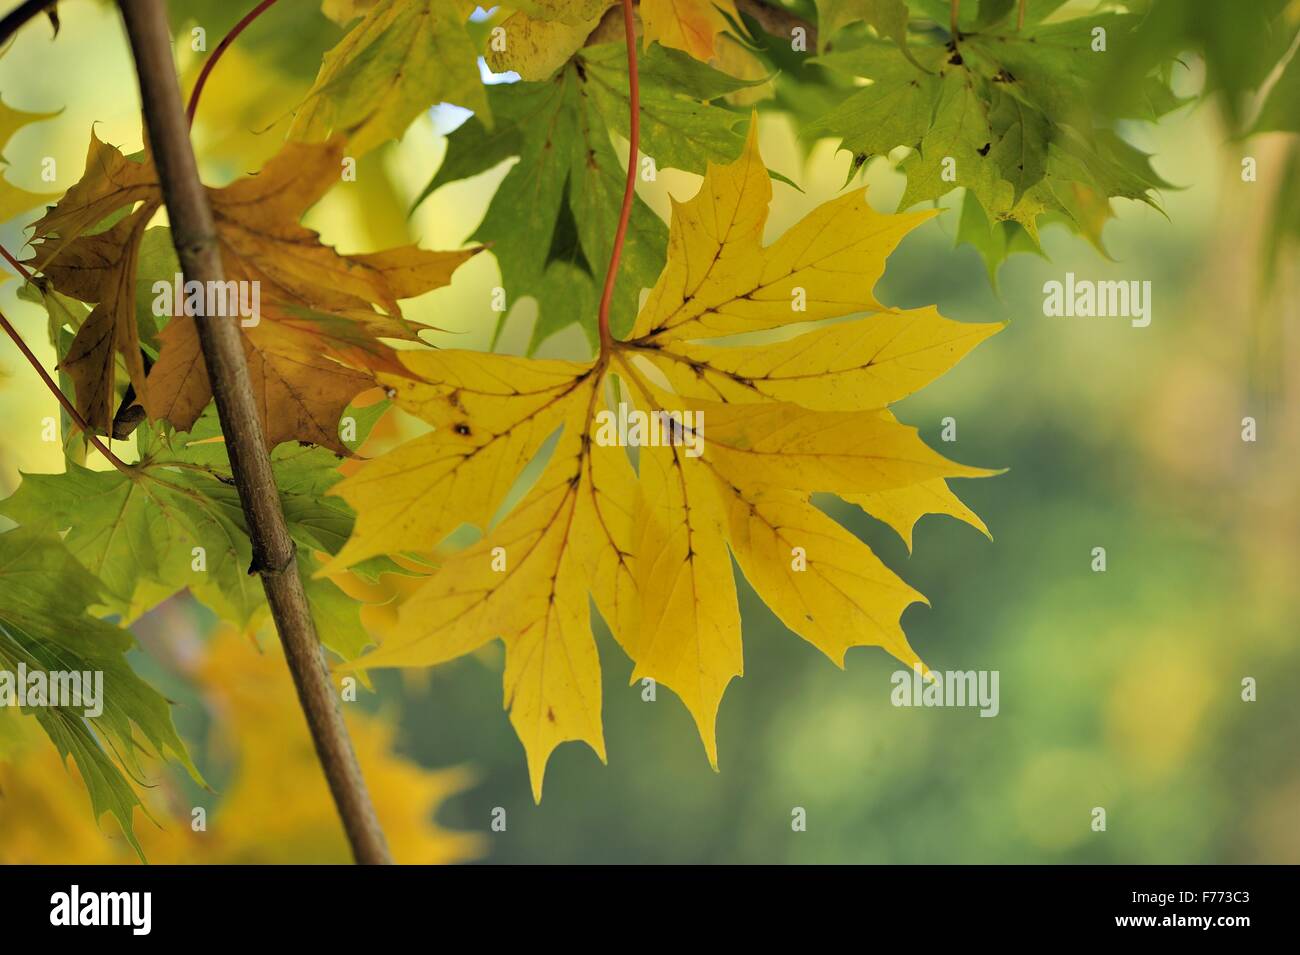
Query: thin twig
point(18, 266)
point(50, 383)
point(195, 238)
point(68, 406)
point(19, 15)
point(211, 63)
point(629, 190)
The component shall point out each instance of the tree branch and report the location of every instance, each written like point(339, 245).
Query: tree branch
point(195, 238)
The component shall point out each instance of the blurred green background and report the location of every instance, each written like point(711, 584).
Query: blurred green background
point(1119, 690)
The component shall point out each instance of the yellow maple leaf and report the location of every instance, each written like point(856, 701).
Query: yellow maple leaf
point(317, 335)
point(902, 507)
point(541, 37)
point(692, 26)
point(539, 42)
point(13, 200)
point(760, 429)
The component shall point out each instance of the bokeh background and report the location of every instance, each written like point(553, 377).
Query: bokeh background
point(1120, 689)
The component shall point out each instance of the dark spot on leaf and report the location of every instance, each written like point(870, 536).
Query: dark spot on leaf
point(984, 150)
point(955, 59)
point(462, 428)
point(550, 714)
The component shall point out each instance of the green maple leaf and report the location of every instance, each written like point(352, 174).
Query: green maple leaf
point(959, 132)
point(551, 222)
point(45, 596)
point(1021, 135)
point(138, 532)
point(889, 18)
point(896, 109)
point(682, 124)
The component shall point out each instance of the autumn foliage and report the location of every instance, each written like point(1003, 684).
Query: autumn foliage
point(771, 352)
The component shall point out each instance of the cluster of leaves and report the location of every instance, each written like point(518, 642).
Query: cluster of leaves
point(137, 531)
point(1030, 102)
point(318, 334)
point(172, 519)
point(92, 544)
point(1022, 107)
point(46, 625)
point(1001, 109)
